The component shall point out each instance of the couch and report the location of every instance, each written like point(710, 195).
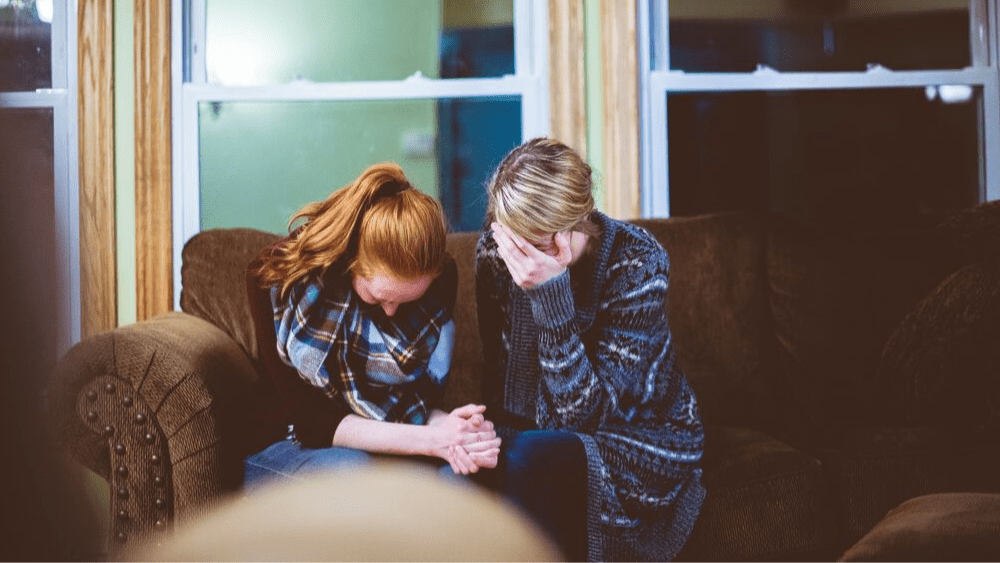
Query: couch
point(839, 373)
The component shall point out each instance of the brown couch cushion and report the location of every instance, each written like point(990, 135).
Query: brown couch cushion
point(940, 527)
point(464, 381)
point(942, 363)
point(766, 501)
point(976, 231)
point(213, 280)
point(835, 299)
point(871, 470)
point(717, 304)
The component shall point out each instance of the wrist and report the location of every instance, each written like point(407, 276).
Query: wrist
point(552, 302)
point(424, 442)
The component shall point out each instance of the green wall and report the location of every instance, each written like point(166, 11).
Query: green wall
point(594, 92)
point(124, 88)
point(261, 161)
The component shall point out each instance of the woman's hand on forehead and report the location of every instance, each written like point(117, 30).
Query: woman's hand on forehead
point(528, 265)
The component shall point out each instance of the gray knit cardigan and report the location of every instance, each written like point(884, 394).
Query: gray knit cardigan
point(590, 352)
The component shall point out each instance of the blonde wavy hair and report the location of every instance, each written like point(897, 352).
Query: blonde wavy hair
point(542, 186)
point(378, 222)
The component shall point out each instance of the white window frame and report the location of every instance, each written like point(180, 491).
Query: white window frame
point(657, 81)
point(61, 98)
point(529, 82)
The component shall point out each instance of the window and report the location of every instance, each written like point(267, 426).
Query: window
point(38, 156)
point(863, 111)
point(280, 104)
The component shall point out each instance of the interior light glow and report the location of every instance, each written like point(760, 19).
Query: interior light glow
point(44, 8)
point(955, 93)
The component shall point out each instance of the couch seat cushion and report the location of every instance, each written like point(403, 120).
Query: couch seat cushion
point(766, 501)
point(938, 527)
point(872, 470)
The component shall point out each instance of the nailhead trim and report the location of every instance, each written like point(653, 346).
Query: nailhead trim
point(140, 479)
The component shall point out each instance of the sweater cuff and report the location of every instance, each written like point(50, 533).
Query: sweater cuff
point(552, 302)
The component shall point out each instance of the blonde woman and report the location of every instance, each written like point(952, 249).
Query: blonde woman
point(353, 320)
point(602, 434)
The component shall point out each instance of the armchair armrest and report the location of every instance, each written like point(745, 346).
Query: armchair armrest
point(157, 409)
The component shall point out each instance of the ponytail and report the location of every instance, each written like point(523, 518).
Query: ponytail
point(377, 221)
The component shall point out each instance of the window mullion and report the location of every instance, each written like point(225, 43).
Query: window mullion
point(410, 88)
point(990, 142)
point(772, 80)
point(979, 44)
point(196, 9)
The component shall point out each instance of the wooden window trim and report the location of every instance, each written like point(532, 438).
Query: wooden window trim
point(153, 195)
point(620, 68)
point(95, 107)
point(567, 95)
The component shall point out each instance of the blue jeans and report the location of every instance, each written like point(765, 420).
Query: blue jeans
point(545, 473)
point(287, 460)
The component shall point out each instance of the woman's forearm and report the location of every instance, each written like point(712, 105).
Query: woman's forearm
point(382, 437)
point(462, 437)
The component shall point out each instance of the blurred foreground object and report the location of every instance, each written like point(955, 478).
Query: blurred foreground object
point(395, 511)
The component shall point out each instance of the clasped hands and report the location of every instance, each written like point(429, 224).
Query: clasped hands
point(465, 439)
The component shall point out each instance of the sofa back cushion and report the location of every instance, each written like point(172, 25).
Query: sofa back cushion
point(835, 298)
point(213, 280)
point(717, 309)
point(465, 379)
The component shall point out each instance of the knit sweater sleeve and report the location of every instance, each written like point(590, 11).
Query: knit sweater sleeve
point(586, 379)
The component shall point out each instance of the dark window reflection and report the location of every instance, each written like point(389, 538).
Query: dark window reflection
point(863, 157)
point(827, 37)
point(25, 49)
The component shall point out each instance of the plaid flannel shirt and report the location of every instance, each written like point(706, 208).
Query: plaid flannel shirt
point(385, 368)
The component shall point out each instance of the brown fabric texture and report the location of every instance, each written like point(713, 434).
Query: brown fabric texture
point(976, 231)
point(190, 382)
point(871, 470)
point(835, 298)
point(213, 280)
point(766, 501)
point(465, 381)
point(939, 527)
point(942, 363)
point(717, 306)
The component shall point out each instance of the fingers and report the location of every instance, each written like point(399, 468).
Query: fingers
point(562, 241)
point(468, 411)
point(462, 459)
point(487, 459)
point(477, 420)
point(483, 446)
point(470, 438)
point(510, 254)
point(528, 265)
point(450, 458)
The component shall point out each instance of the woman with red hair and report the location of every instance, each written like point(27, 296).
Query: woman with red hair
point(353, 320)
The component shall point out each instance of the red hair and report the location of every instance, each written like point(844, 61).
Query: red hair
point(378, 222)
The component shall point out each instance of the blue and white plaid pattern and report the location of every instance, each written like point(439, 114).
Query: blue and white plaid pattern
point(386, 368)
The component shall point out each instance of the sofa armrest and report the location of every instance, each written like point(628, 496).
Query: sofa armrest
point(155, 408)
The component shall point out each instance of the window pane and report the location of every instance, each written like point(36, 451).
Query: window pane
point(261, 161)
point(810, 35)
point(255, 43)
point(27, 236)
point(25, 45)
point(862, 156)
